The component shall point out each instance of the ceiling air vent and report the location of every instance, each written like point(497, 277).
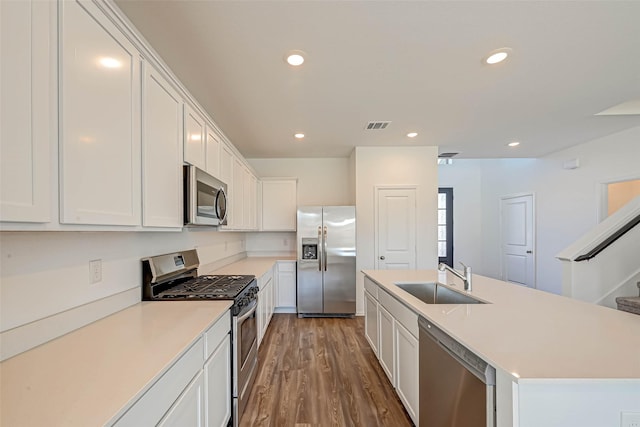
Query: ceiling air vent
point(447, 155)
point(446, 158)
point(376, 125)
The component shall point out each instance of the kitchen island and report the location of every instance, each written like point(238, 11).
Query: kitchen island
point(559, 362)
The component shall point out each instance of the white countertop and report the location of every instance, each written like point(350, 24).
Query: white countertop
point(90, 375)
point(528, 333)
point(256, 266)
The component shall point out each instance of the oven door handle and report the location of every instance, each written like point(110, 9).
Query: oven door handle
point(254, 306)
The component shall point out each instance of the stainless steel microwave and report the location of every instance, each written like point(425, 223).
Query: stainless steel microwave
point(205, 198)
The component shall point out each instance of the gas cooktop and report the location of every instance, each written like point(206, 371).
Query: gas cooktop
point(175, 277)
point(206, 287)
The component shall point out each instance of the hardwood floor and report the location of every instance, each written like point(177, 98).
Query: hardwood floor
point(320, 372)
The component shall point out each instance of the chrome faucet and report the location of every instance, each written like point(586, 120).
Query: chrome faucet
point(465, 276)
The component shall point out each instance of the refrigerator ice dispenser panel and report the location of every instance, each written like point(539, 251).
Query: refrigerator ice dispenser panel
point(309, 248)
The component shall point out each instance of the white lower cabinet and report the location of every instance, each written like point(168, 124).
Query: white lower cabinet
point(265, 303)
point(270, 303)
point(193, 391)
point(187, 411)
point(217, 377)
point(407, 378)
point(286, 286)
point(386, 354)
point(392, 331)
point(371, 321)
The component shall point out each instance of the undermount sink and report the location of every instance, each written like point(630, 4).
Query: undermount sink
point(435, 293)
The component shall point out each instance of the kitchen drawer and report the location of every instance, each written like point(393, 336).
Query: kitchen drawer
point(400, 312)
point(286, 266)
point(216, 334)
point(371, 286)
point(153, 404)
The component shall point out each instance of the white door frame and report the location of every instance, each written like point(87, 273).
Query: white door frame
point(376, 243)
point(533, 233)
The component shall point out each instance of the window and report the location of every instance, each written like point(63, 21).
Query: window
point(445, 226)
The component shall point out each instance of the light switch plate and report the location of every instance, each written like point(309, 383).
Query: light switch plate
point(95, 271)
point(630, 419)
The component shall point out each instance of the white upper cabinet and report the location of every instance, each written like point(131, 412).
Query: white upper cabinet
point(237, 194)
point(279, 204)
point(213, 152)
point(254, 202)
point(100, 120)
point(26, 109)
point(227, 160)
point(161, 152)
point(241, 191)
point(249, 195)
point(194, 138)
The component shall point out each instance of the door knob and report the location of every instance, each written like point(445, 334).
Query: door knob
point(382, 257)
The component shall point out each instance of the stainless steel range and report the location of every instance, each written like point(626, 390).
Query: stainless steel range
point(174, 277)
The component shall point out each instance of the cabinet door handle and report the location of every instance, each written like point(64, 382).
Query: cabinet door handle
point(529, 252)
point(382, 257)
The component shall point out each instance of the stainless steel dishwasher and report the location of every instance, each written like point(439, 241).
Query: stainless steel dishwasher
point(457, 388)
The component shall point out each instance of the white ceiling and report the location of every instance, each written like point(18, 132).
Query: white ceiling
point(415, 63)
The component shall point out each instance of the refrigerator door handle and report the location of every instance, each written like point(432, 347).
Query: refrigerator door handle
point(320, 249)
point(324, 248)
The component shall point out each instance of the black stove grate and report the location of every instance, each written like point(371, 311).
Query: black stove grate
point(207, 287)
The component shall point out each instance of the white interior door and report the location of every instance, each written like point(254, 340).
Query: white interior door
point(396, 228)
point(517, 235)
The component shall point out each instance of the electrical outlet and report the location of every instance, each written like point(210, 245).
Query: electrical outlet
point(630, 419)
point(95, 271)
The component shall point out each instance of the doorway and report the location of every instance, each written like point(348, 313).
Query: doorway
point(445, 225)
point(395, 239)
point(517, 234)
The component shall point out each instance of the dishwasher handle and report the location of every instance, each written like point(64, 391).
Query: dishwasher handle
point(473, 363)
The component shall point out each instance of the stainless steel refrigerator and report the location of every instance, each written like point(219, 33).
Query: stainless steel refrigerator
point(326, 260)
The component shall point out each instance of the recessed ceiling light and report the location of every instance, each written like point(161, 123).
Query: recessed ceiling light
point(412, 134)
point(107, 62)
point(513, 144)
point(497, 56)
point(298, 135)
point(295, 58)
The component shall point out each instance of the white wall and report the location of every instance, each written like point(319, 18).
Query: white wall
point(377, 166)
point(44, 276)
point(567, 201)
point(321, 181)
point(465, 177)
point(271, 244)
